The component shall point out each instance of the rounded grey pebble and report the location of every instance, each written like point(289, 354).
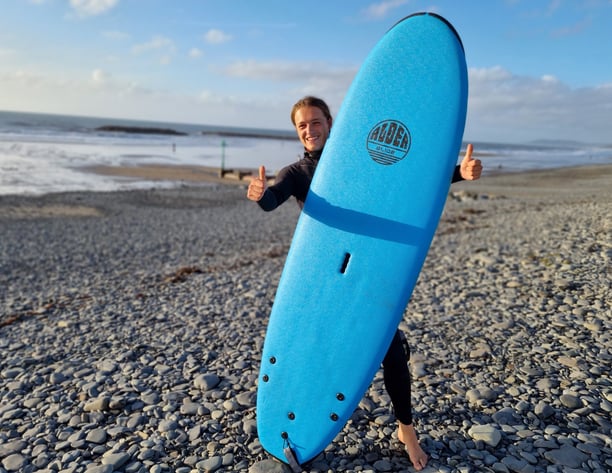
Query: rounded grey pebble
point(210, 464)
point(206, 382)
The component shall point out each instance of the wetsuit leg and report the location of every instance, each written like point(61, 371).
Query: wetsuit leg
point(397, 377)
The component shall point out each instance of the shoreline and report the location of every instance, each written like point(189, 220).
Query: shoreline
point(594, 180)
point(197, 173)
point(170, 172)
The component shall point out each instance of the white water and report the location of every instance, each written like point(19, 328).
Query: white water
point(42, 154)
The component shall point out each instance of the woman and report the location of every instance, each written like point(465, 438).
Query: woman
point(313, 121)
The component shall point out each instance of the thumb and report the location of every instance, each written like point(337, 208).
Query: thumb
point(468, 153)
point(262, 173)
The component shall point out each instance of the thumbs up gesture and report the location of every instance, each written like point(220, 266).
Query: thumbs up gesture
point(470, 168)
point(258, 185)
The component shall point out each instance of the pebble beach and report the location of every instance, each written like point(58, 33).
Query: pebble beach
point(132, 322)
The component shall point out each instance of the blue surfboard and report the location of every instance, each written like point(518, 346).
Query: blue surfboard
point(363, 235)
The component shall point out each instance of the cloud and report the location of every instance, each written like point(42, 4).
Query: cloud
point(505, 106)
point(86, 8)
point(277, 79)
point(116, 35)
point(381, 9)
point(276, 71)
point(279, 71)
point(155, 43)
point(97, 94)
point(100, 78)
point(7, 52)
point(572, 30)
point(195, 53)
point(20, 76)
point(161, 45)
point(553, 6)
point(495, 74)
point(215, 36)
point(158, 44)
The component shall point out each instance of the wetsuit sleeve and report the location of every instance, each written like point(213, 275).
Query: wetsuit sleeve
point(268, 201)
point(457, 174)
point(279, 192)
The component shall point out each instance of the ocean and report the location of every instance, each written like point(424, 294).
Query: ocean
point(41, 154)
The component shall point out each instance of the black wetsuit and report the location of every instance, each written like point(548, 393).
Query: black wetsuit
point(294, 180)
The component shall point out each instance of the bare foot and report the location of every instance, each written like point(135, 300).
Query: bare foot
point(407, 435)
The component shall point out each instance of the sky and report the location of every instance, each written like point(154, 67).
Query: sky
point(538, 69)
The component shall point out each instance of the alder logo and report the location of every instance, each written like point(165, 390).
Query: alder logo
point(388, 142)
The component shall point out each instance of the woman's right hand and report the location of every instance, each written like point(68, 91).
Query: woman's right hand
point(258, 185)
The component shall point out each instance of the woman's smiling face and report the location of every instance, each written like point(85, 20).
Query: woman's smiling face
point(312, 127)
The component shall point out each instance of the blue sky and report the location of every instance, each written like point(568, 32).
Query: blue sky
point(538, 69)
